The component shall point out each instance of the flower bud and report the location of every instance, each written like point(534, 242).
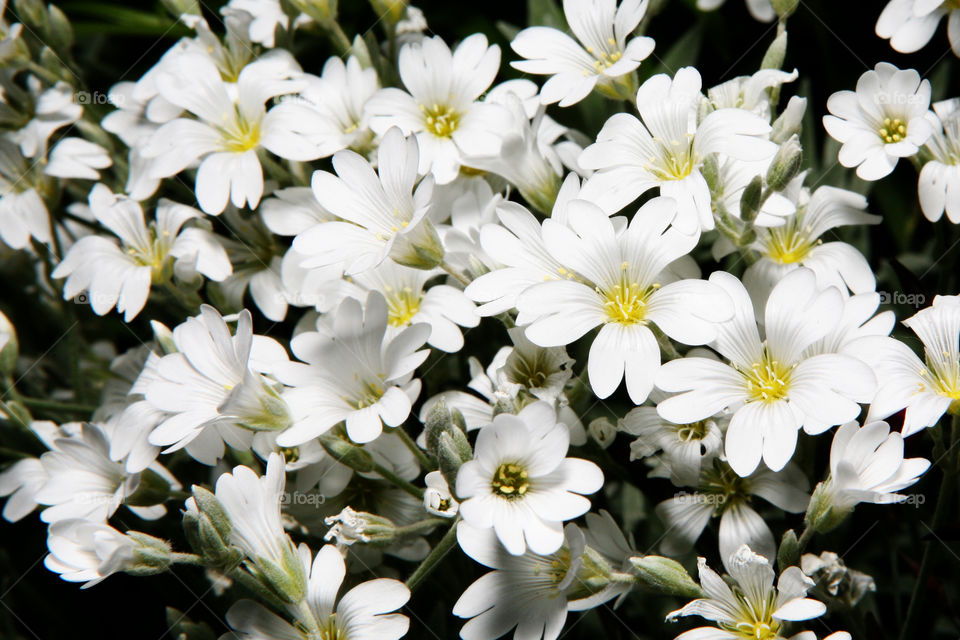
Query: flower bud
point(9, 347)
point(751, 200)
point(60, 30)
point(453, 449)
point(32, 13)
point(163, 337)
point(390, 10)
point(790, 121)
point(320, 10)
point(350, 527)
point(602, 431)
point(178, 8)
point(287, 581)
point(822, 512)
point(776, 52)
point(784, 8)
point(420, 248)
point(665, 575)
point(152, 555)
point(347, 453)
point(438, 420)
point(785, 165)
point(789, 552)
point(152, 489)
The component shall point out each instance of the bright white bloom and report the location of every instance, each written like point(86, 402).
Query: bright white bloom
point(120, 274)
point(531, 592)
point(599, 57)
point(231, 125)
point(771, 385)
point(437, 497)
point(761, 10)
point(621, 281)
point(211, 390)
point(666, 148)
point(440, 108)
point(266, 16)
point(77, 158)
point(721, 492)
point(410, 301)
point(365, 612)
point(83, 551)
point(83, 482)
point(883, 121)
point(329, 111)
point(750, 607)
point(909, 24)
point(382, 213)
point(521, 483)
point(928, 390)
point(353, 373)
point(867, 465)
point(21, 482)
point(23, 214)
point(797, 243)
point(939, 183)
point(750, 92)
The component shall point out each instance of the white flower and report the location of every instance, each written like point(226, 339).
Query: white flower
point(266, 16)
point(210, 390)
point(354, 373)
point(750, 92)
point(441, 108)
point(329, 111)
point(721, 492)
point(437, 497)
point(383, 213)
point(529, 591)
point(77, 158)
point(883, 121)
point(684, 447)
point(599, 57)
point(761, 10)
point(521, 483)
point(666, 148)
point(928, 390)
point(909, 24)
point(867, 465)
point(23, 213)
point(939, 183)
point(362, 613)
point(410, 301)
point(771, 385)
point(750, 607)
point(797, 243)
point(120, 274)
point(621, 281)
point(54, 109)
point(231, 125)
point(83, 551)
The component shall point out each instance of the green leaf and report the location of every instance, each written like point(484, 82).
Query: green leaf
point(683, 53)
point(546, 13)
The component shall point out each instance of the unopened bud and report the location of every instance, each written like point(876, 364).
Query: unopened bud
point(789, 552)
point(179, 8)
point(9, 347)
point(389, 10)
point(348, 453)
point(152, 555)
point(153, 489)
point(453, 450)
point(776, 52)
point(711, 172)
point(59, 31)
point(602, 431)
point(320, 10)
point(784, 8)
point(420, 249)
point(785, 165)
point(822, 513)
point(751, 200)
point(790, 121)
point(32, 13)
point(665, 576)
point(163, 337)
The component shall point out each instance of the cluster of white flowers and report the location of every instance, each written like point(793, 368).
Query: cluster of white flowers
point(383, 211)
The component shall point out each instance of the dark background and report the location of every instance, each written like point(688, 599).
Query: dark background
point(831, 44)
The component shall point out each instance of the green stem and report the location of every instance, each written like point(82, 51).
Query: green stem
point(338, 38)
point(437, 554)
point(805, 538)
point(53, 405)
point(420, 527)
point(187, 558)
point(666, 347)
point(946, 489)
point(462, 279)
point(256, 587)
point(416, 492)
point(417, 452)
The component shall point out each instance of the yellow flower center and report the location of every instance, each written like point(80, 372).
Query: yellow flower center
point(767, 380)
point(604, 59)
point(692, 431)
point(510, 481)
point(677, 159)
point(241, 134)
point(441, 120)
point(788, 244)
point(626, 301)
point(402, 305)
point(893, 130)
point(369, 394)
